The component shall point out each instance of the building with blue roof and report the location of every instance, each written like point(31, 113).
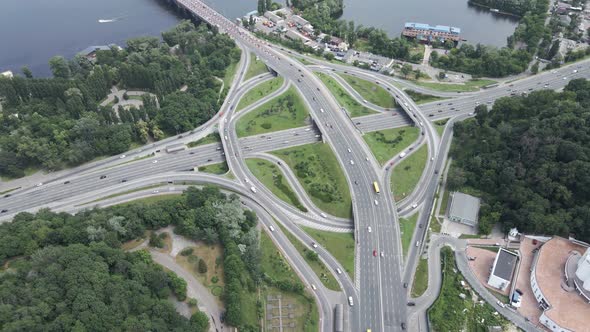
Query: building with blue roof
point(426, 33)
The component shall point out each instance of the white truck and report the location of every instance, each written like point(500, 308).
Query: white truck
point(403, 154)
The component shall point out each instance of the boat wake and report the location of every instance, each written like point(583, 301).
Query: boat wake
point(110, 20)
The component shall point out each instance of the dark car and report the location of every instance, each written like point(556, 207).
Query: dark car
point(66, 182)
point(411, 304)
point(7, 195)
point(103, 177)
point(179, 136)
point(405, 285)
point(436, 171)
point(420, 226)
point(403, 326)
point(124, 180)
point(3, 211)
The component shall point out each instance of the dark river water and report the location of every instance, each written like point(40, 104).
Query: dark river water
point(32, 31)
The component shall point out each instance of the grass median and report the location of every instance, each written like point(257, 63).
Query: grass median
point(370, 91)
point(469, 86)
point(272, 177)
point(389, 142)
point(344, 99)
point(439, 125)
point(313, 261)
point(407, 173)
point(220, 168)
point(256, 67)
point(420, 283)
point(259, 91)
point(452, 312)
point(421, 98)
point(340, 245)
point(211, 138)
point(319, 172)
point(282, 112)
point(407, 227)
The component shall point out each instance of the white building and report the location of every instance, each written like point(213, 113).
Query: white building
point(273, 17)
point(7, 73)
point(294, 35)
point(503, 269)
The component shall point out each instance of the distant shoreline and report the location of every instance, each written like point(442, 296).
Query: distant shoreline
point(489, 8)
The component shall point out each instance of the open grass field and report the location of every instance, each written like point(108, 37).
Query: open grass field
point(344, 98)
point(420, 278)
point(273, 178)
point(256, 67)
point(259, 91)
point(389, 142)
point(407, 173)
point(319, 172)
point(420, 98)
point(340, 245)
point(211, 138)
point(370, 91)
point(468, 86)
point(283, 112)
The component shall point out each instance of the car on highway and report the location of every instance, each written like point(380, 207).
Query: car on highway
point(338, 271)
point(415, 205)
point(103, 177)
point(403, 326)
point(7, 195)
point(246, 180)
point(154, 162)
point(253, 189)
point(374, 253)
point(470, 113)
point(323, 215)
point(356, 182)
point(405, 285)
point(382, 254)
point(155, 191)
point(322, 110)
point(313, 244)
point(272, 229)
point(411, 304)
point(67, 182)
point(39, 184)
point(369, 229)
point(313, 287)
point(349, 150)
point(352, 162)
point(122, 156)
point(376, 202)
point(417, 243)
point(350, 302)
point(3, 211)
point(124, 180)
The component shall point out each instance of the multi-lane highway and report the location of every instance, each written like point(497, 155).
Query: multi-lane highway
point(377, 289)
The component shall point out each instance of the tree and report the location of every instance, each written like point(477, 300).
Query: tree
point(202, 266)
point(406, 69)
point(329, 56)
point(417, 74)
point(442, 75)
point(125, 96)
point(261, 7)
point(200, 322)
point(59, 67)
point(27, 72)
point(535, 67)
point(267, 4)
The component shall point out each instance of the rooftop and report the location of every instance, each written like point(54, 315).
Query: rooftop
point(464, 206)
point(568, 309)
point(437, 28)
point(504, 264)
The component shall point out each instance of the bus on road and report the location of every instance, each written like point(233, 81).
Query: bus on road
point(376, 186)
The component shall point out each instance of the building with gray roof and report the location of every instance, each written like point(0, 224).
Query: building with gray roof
point(503, 269)
point(464, 208)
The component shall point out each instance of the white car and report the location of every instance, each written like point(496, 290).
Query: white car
point(369, 229)
point(272, 229)
point(382, 254)
point(565, 78)
point(154, 162)
point(415, 205)
point(308, 129)
point(246, 180)
point(432, 159)
point(376, 202)
point(338, 271)
point(313, 244)
point(323, 215)
point(39, 184)
point(471, 113)
point(417, 243)
point(156, 191)
point(367, 158)
point(226, 138)
point(253, 189)
point(575, 71)
point(322, 110)
point(313, 287)
point(349, 150)
point(352, 162)
point(365, 101)
point(350, 302)
point(122, 156)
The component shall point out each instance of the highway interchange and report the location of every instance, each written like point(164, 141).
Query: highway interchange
point(377, 290)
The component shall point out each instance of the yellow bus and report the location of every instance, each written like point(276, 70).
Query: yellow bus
point(376, 186)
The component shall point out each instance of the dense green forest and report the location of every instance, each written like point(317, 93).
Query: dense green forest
point(529, 36)
point(54, 257)
point(530, 158)
point(56, 122)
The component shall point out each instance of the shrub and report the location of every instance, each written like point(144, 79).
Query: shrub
point(187, 251)
point(202, 266)
point(214, 279)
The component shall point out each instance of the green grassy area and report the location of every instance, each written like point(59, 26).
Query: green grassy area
point(444, 204)
point(468, 86)
point(277, 271)
point(256, 67)
point(220, 168)
point(452, 313)
point(489, 248)
point(259, 91)
point(229, 74)
point(344, 99)
point(407, 173)
point(153, 199)
point(389, 142)
point(272, 177)
point(362, 45)
point(370, 91)
point(435, 226)
point(470, 236)
point(340, 245)
point(32, 170)
point(319, 172)
point(439, 125)
point(421, 98)
point(9, 190)
point(305, 61)
point(123, 193)
point(407, 227)
point(282, 112)
point(314, 263)
point(211, 138)
point(420, 283)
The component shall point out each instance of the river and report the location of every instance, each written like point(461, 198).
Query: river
point(33, 31)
